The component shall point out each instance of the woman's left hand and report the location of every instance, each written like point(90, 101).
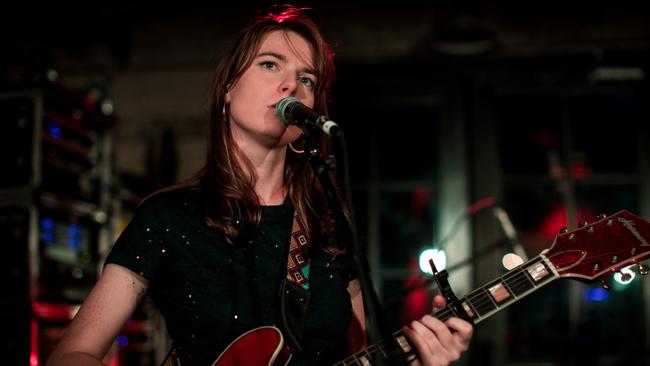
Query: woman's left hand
point(438, 343)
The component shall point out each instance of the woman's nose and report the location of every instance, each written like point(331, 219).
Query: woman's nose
point(289, 86)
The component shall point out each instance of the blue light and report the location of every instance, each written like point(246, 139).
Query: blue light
point(74, 241)
point(54, 130)
point(596, 294)
point(47, 223)
point(47, 230)
point(123, 341)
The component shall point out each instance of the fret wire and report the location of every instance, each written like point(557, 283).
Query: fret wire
point(472, 295)
point(443, 311)
point(377, 351)
point(520, 284)
point(476, 298)
point(518, 271)
point(479, 295)
point(529, 277)
point(523, 276)
point(445, 315)
point(516, 283)
point(487, 297)
point(381, 350)
point(518, 279)
point(514, 272)
point(478, 304)
point(510, 290)
point(475, 301)
point(367, 351)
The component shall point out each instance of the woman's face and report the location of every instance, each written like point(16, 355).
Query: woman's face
point(283, 66)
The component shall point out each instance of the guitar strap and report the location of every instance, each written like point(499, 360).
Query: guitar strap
point(295, 296)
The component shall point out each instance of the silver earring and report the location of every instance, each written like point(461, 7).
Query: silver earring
point(296, 150)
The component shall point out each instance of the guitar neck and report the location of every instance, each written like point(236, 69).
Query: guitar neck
point(478, 305)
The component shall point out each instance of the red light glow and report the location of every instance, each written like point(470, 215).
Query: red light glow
point(557, 219)
point(33, 346)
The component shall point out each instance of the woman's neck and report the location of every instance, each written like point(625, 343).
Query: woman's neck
point(268, 166)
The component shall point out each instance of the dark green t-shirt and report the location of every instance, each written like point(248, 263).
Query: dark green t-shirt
point(210, 292)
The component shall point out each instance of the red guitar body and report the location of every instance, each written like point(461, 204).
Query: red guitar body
point(259, 346)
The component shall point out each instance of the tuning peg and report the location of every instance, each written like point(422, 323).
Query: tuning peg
point(583, 223)
point(601, 216)
point(605, 285)
point(643, 269)
point(625, 276)
point(564, 230)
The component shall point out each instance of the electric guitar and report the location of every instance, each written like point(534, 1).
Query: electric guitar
point(587, 254)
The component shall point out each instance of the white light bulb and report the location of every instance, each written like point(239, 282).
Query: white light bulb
point(439, 259)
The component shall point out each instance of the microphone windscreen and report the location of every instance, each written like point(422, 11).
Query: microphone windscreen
point(281, 109)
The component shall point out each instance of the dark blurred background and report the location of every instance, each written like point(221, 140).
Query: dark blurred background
point(540, 106)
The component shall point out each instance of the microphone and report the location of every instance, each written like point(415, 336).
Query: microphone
point(292, 112)
point(510, 260)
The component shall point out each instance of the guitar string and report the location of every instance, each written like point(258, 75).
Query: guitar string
point(443, 315)
point(483, 293)
point(511, 280)
point(517, 277)
point(447, 312)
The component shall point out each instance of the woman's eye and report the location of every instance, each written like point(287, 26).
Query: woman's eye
point(308, 82)
point(268, 65)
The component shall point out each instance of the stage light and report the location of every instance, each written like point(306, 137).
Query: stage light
point(54, 130)
point(511, 260)
point(596, 294)
point(123, 341)
point(439, 258)
point(52, 75)
point(624, 276)
point(107, 107)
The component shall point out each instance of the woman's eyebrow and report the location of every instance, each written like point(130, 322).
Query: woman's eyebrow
point(283, 58)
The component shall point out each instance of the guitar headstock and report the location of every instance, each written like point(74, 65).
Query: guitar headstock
point(601, 248)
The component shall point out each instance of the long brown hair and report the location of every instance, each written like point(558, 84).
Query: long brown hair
point(230, 200)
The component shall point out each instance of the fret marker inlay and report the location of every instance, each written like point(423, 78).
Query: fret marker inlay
point(537, 271)
point(364, 361)
point(499, 292)
point(403, 344)
point(468, 310)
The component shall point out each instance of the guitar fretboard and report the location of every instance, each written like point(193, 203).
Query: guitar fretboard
point(478, 305)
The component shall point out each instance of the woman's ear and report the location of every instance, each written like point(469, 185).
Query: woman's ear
point(227, 97)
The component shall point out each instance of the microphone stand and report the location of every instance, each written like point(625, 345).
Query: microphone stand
point(376, 328)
